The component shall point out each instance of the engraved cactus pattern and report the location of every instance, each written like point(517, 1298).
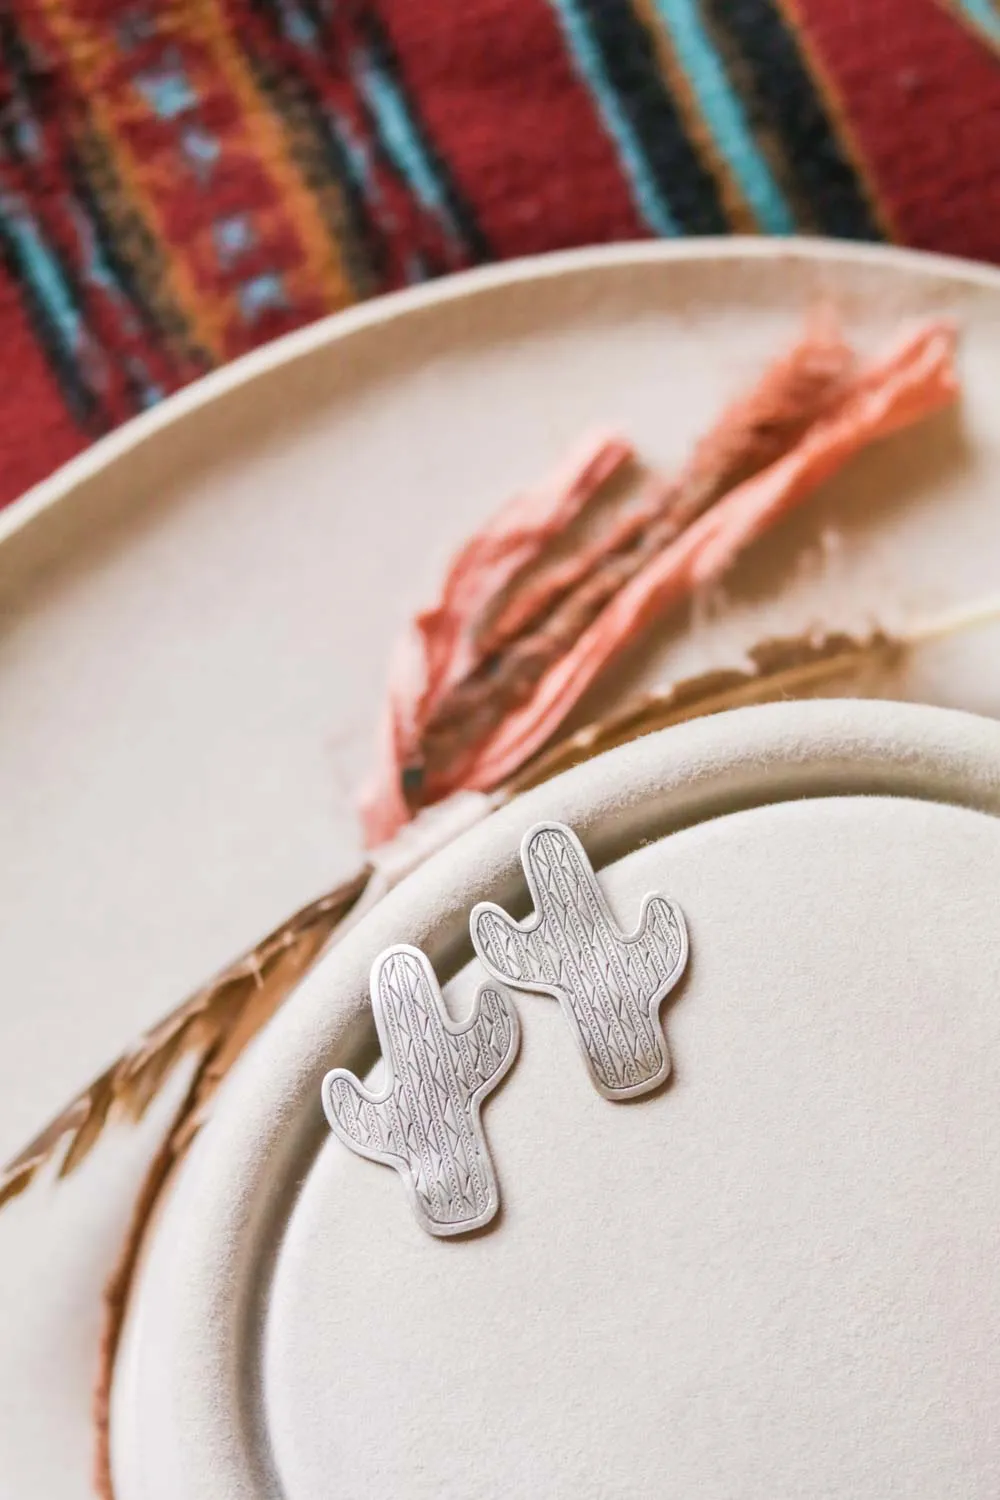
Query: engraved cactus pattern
point(426, 1123)
point(610, 986)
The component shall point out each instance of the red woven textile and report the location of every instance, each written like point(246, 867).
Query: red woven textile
point(181, 180)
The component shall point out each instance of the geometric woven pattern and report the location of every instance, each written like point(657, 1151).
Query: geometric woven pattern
point(181, 181)
point(610, 986)
point(426, 1122)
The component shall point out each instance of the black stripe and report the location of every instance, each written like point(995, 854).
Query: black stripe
point(320, 157)
point(629, 57)
point(21, 83)
point(81, 401)
point(782, 98)
point(132, 254)
point(460, 212)
point(20, 80)
point(319, 153)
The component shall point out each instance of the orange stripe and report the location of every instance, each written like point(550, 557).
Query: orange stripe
point(323, 270)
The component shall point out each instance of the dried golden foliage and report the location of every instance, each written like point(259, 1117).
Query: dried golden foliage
point(215, 1024)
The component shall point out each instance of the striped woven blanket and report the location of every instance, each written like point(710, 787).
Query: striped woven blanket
point(181, 180)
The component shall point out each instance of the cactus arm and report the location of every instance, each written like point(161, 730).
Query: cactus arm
point(508, 949)
point(663, 932)
point(363, 1121)
point(484, 1046)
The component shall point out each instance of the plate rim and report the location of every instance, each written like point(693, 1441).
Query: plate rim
point(55, 491)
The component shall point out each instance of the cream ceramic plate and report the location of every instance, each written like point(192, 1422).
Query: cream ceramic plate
point(197, 613)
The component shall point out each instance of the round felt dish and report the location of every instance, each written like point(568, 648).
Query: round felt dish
point(773, 1276)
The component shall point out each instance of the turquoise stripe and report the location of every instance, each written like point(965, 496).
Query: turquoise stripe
point(723, 114)
point(648, 198)
point(982, 13)
point(401, 138)
point(45, 276)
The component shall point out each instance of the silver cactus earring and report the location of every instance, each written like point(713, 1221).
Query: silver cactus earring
point(426, 1122)
point(610, 986)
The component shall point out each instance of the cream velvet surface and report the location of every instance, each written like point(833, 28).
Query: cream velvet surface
point(774, 1277)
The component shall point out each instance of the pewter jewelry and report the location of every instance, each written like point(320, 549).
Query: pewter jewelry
point(426, 1123)
point(610, 986)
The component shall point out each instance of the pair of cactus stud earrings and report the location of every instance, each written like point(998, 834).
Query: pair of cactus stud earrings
point(426, 1122)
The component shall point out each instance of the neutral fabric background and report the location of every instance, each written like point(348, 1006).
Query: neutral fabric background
point(181, 180)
